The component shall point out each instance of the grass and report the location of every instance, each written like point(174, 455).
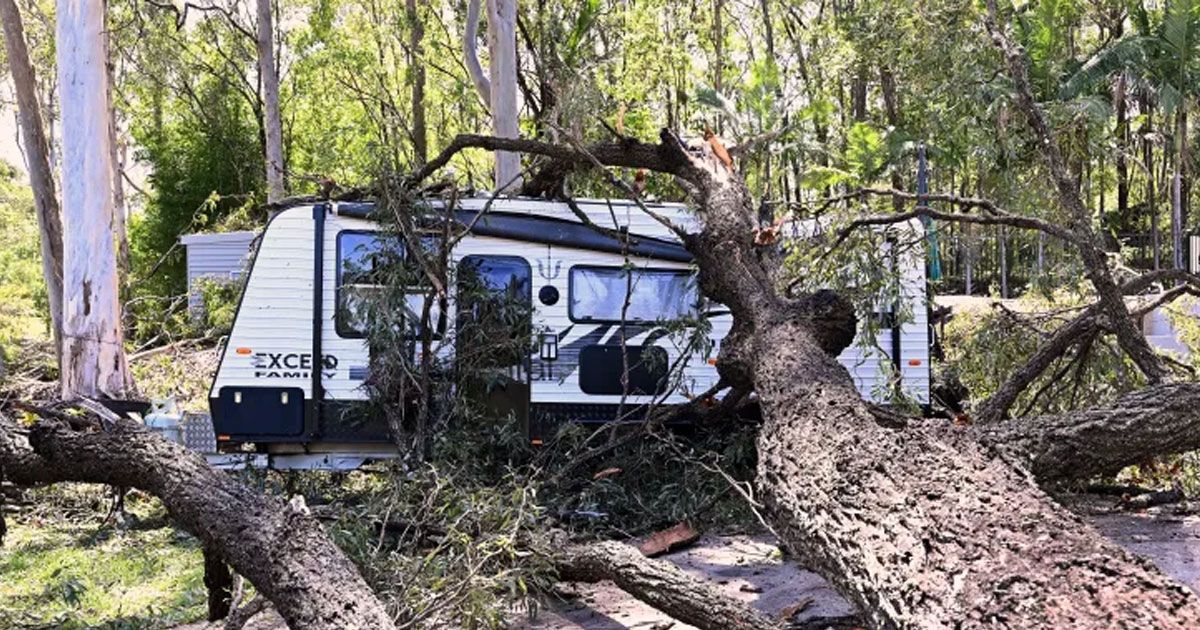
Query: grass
point(65, 569)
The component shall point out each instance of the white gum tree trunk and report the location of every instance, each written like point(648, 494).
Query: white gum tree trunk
point(272, 119)
point(499, 88)
point(93, 354)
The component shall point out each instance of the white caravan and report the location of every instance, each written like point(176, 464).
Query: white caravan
point(291, 345)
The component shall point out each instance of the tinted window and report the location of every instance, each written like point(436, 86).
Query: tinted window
point(360, 257)
point(364, 262)
point(598, 294)
point(494, 295)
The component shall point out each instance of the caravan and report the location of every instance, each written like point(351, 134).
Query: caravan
point(589, 293)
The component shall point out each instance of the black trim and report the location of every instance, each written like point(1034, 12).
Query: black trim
point(548, 231)
point(546, 418)
point(896, 346)
point(260, 415)
point(589, 320)
point(318, 320)
point(344, 421)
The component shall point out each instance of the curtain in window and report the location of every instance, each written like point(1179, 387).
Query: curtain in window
point(598, 294)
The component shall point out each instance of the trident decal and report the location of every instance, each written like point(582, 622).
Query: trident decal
point(551, 269)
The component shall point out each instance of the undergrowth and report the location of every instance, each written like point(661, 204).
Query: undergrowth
point(62, 566)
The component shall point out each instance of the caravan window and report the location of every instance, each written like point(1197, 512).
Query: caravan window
point(363, 259)
point(598, 294)
point(495, 302)
point(359, 259)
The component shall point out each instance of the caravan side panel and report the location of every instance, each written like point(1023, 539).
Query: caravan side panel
point(267, 361)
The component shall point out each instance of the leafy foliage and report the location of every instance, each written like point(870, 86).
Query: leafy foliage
point(22, 290)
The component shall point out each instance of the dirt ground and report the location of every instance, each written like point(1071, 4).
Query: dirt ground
point(751, 568)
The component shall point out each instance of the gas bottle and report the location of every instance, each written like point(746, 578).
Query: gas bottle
point(166, 419)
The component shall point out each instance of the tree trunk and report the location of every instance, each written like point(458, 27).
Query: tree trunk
point(499, 87)
point(416, 66)
point(1002, 257)
point(219, 582)
point(1151, 183)
point(1123, 148)
point(858, 94)
point(916, 522)
point(278, 546)
point(272, 118)
point(505, 103)
point(921, 527)
point(891, 108)
point(37, 161)
point(93, 357)
point(120, 216)
point(661, 585)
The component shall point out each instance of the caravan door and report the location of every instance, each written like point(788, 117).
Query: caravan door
point(493, 344)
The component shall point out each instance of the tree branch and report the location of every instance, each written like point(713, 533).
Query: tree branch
point(996, 406)
point(279, 547)
point(1156, 420)
point(660, 584)
point(662, 157)
point(1094, 259)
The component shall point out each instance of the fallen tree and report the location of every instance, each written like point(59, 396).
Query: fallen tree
point(661, 585)
point(1099, 442)
point(275, 545)
point(920, 524)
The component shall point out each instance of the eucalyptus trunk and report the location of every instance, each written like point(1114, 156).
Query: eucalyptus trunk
point(93, 356)
point(272, 117)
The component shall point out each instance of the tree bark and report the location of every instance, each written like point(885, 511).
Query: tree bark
point(278, 546)
point(272, 118)
point(37, 161)
point(505, 103)
point(120, 229)
point(93, 357)
point(661, 585)
point(1157, 420)
point(219, 582)
point(416, 66)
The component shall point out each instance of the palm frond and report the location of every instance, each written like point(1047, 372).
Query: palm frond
point(1128, 55)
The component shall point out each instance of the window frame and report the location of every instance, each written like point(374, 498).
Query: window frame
point(340, 326)
point(506, 257)
point(619, 268)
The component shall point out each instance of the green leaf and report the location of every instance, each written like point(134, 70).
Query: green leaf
point(866, 151)
point(817, 177)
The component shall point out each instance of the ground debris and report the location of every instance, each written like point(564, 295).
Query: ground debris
point(665, 541)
